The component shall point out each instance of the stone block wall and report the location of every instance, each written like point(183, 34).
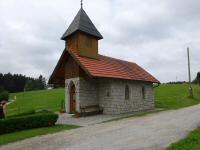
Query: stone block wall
point(115, 102)
point(110, 95)
point(86, 92)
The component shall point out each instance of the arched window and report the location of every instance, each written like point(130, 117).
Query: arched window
point(143, 92)
point(127, 92)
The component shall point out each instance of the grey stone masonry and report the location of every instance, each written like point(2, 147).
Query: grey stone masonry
point(88, 92)
point(85, 93)
point(110, 95)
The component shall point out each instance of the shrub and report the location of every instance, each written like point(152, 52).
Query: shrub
point(4, 95)
point(43, 111)
point(27, 122)
point(29, 112)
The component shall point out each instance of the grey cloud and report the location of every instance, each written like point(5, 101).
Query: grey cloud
point(152, 33)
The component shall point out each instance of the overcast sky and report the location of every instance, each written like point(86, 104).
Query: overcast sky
point(152, 33)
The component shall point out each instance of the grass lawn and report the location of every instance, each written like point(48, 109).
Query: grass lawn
point(191, 142)
point(16, 136)
point(173, 96)
point(168, 96)
point(27, 101)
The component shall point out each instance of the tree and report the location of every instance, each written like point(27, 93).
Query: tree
point(41, 82)
point(17, 82)
point(198, 78)
point(29, 86)
point(1, 89)
point(4, 95)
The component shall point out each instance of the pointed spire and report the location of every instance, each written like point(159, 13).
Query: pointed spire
point(81, 3)
point(82, 23)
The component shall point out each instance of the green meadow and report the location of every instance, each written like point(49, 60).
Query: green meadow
point(35, 100)
point(174, 96)
point(167, 96)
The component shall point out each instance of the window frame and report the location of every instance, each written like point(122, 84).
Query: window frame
point(127, 92)
point(143, 92)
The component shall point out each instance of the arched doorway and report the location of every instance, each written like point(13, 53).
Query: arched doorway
point(72, 99)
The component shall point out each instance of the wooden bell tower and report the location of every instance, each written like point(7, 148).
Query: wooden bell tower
point(82, 36)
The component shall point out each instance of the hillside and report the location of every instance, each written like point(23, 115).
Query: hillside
point(35, 100)
point(169, 96)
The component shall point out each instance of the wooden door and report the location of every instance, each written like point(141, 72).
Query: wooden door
point(72, 100)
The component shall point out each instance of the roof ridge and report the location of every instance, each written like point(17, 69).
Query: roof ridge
point(117, 59)
point(79, 19)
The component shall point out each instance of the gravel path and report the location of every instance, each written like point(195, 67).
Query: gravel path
point(87, 121)
point(92, 120)
point(151, 132)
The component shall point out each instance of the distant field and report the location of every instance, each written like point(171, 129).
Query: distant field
point(168, 96)
point(173, 96)
point(44, 99)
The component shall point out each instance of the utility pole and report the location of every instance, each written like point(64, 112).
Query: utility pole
point(189, 74)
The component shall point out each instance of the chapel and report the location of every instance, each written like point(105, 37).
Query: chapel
point(95, 83)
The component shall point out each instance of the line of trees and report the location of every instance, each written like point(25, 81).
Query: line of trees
point(4, 95)
point(18, 83)
point(176, 82)
point(197, 79)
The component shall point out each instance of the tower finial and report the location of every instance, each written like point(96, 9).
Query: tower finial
point(81, 3)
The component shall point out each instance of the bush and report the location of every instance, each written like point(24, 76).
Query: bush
point(29, 112)
point(4, 95)
point(43, 111)
point(27, 122)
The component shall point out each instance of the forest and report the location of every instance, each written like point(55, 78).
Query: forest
point(18, 82)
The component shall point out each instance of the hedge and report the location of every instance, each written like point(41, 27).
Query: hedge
point(27, 122)
point(30, 112)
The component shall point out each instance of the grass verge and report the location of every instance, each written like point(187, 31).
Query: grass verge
point(190, 142)
point(21, 135)
point(174, 96)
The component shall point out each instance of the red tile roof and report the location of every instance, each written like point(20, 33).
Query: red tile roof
point(112, 68)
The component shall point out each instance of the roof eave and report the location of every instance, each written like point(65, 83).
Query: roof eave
point(56, 67)
point(118, 78)
point(64, 37)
